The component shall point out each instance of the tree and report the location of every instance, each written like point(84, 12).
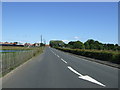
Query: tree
point(91, 43)
point(56, 43)
point(70, 44)
point(76, 45)
point(87, 46)
point(110, 46)
point(42, 44)
point(116, 47)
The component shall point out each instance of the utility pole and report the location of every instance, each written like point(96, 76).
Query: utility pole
point(41, 41)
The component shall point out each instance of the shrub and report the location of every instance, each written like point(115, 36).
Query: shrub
point(111, 56)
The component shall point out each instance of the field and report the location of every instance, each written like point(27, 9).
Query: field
point(12, 60)
point(17, 48)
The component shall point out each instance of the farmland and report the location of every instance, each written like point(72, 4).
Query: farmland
point(11, 60)
point(17, 48)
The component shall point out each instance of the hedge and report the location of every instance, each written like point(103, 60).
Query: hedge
point(111, 56)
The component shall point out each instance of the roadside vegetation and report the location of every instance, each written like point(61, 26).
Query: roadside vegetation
point(91, 48)
point(17, 48)
point(11, 60)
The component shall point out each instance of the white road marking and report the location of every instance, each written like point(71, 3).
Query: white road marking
point(74, 71)
point(52, 51)
point(58, 56)
point(63, 60)
point(85, 77)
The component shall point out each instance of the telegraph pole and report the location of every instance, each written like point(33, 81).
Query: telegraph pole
point(41, 40)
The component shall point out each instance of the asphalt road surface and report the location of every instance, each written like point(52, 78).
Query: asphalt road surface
point(57, 69)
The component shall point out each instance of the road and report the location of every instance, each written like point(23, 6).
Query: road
point(57, 69)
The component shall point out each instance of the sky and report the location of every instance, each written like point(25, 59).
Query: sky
point(67, 21)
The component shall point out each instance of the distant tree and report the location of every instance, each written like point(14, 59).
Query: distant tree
point(105, 47)
point(91, 43)
point(42, 44)
point(65, 45)
point(70, 44)
point(110, 46)
point(78, 45)
point(87, 46)
point(98, 45)
point(56, 43)
point(118, 47)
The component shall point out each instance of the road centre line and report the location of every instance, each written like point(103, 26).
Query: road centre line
point(58, 56)
point(84, 77)
point(55, 54)
point(63, 60)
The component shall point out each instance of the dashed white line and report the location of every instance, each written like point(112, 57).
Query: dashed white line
point(58, 56)
point(52, 52)
point(63, 60)
point(84, 77)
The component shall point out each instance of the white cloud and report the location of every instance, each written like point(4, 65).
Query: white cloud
point(76, 37)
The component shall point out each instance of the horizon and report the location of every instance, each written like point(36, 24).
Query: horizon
point(66, 21)
point(56, 40)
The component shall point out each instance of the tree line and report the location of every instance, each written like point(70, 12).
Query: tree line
point(89, 44)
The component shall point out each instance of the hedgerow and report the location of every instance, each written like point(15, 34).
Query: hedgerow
point(111, 56)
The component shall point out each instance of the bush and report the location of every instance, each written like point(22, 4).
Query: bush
point(111, 56)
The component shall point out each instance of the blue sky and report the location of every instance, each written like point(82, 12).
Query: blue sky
point(26, 21)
